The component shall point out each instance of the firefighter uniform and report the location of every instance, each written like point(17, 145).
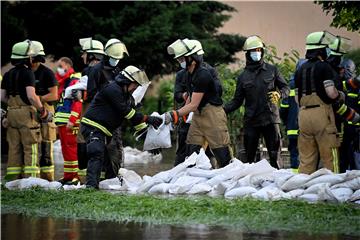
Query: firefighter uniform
point(23, 133)
point(45, 79)
point(68, 110)
point(106, 113)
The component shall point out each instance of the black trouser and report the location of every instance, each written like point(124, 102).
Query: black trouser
point(294, 152)
point(346, 149)
point(181, 153)
point(96, 147)
point(271, 135)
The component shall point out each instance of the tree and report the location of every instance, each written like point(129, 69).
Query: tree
point(346, 13)
point(147, 28)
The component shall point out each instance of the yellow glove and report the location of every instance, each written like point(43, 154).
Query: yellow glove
point(274, 97)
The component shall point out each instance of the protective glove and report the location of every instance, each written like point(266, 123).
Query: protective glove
point(274, 97)
point(172, 116)
point(154, 121)
point(45, 115)
point(155, 151)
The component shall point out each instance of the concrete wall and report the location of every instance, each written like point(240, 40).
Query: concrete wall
point(282, 24)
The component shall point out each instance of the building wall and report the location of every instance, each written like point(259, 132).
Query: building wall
point(282, 24)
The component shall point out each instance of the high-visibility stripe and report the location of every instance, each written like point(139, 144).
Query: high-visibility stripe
point(95, 124)
point(71, 170)
point(34, 160)
point(344, 86)
point(295, 170)
point(335, 160)
point(61, 114)
point(130, 114)
point(352, 95)
point(71, 163)
point(292, 93)
point(140, 126)
point(292, 132)
point(13, 170)
point(31, 170)
point(284, 105)
point(75, 75)
point(47, 168)
point(82, 172)
point(75, 114)
point(342, 109)
point(351, 123)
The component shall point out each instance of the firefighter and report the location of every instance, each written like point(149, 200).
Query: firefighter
point(102, 74)
point(110, 107)
point(181, 95)
point(24, 108)
point(209, 123)
point(261, 86)
point(318, 99)
point(47, 89)
point(92, 53)
point(67, 118)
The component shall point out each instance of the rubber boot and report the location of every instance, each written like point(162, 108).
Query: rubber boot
point(83, 161)
point(222, 155)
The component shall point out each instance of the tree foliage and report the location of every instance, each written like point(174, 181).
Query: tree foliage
point(346, 13)
point(147, 28)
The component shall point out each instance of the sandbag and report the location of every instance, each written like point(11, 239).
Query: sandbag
point(222, 187)
point(268, 193)
point(310, 197)
point(281, 176)
point(146, 185)
point(329, 178)
point(260, 167)
point(294, 193)
point(342, 194)
point(74, 187)
point(54, 185)
point(295, 182)
point(196, 172)
point(131, 178)
point(202, 161)
point(113, 184)
point(30, 182)
point(316, 187)
point(161, 188)
point(240, 192)
point(258, 179)
point(200, 188)
point(354, 184)
point(158, 138)
point(13, 184)
point(184, 184)
point(355, 196)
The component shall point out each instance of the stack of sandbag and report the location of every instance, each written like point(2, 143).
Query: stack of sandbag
point(31, 182)
point(135, 156)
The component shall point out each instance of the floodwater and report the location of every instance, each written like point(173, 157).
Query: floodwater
point(47, 228)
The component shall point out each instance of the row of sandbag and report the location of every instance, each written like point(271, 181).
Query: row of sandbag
point(31, 182)
point(258, 180)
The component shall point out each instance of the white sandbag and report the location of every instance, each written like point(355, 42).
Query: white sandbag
point(245, 182)
point(268, 193)
point(161, 188)
point(281, 176)
point(316, 187)
point(329, 178)
point(342, 194)
point(74, 187)
point(54, 185)
point(184, 184)
point(131, 178)
point(320, 172)
point(196, 172)
point(325, 194)
point(30, 182)
point(200, 188)
point(158, 138)
point(295, 182)
point(354, 184)
point(258, 179)
point(13, 184)
point(357, 202)
point(224, 176)
point(80, 85)
point(310, 197)
point(352, 174)
point(202, 161)
point(355, 196)
point(294, 193)
point(146, 185)
point(260, 167)
point(222, 187)
point(139, 92)
point(112, 184)
point(240, 192)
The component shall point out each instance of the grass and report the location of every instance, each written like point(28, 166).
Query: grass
point(246, 214)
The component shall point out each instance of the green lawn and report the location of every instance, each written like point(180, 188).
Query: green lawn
point(247, 214)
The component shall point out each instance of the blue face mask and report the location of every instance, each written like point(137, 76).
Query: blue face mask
point(255, 56)
point(183, 64)
point(113, 62)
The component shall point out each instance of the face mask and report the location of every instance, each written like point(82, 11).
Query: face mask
point(61, 71)
point(113, 62)
point(183, 65)
point(255, 56)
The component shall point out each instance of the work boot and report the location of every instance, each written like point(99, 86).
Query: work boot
point(222, 155)
point(273, 159)
point(93, 172)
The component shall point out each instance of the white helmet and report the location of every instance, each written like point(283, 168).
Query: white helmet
point(114, 48)
point(134, 74)
point(39, 48)
point(185, 47)
point(89, 45)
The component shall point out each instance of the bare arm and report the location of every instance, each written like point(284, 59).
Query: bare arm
point(33, 98)
point(193, 105)
point(51, 96)
point(4, 97)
